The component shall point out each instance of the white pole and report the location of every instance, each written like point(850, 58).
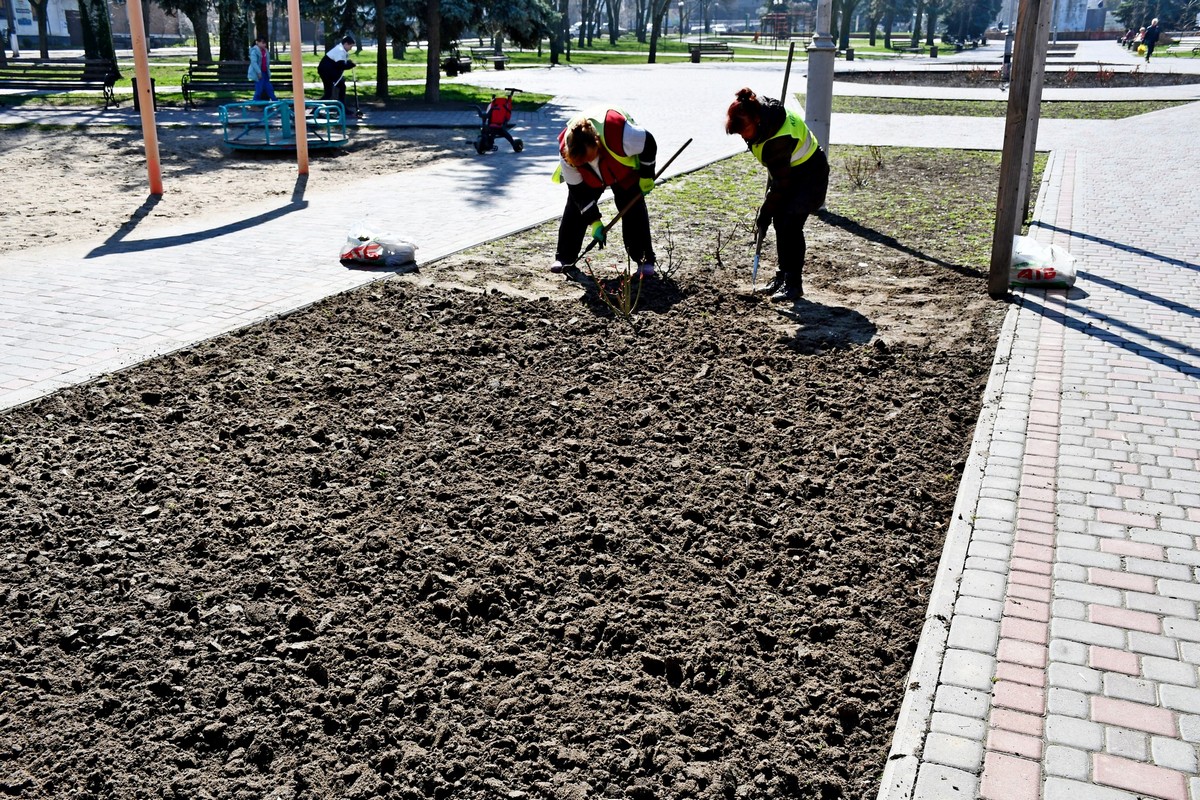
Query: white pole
point(818, 106)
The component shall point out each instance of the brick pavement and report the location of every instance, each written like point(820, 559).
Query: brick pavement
point(1060, 654)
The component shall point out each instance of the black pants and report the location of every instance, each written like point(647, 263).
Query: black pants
point(333, 80)
point(810, 183)
point(635, 227)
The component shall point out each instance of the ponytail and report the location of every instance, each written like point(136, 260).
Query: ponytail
point(746, 108)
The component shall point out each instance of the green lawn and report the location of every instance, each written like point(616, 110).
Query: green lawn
point(1051, 109)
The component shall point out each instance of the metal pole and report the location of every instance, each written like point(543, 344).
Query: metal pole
point(145, 89)
point(818, 107)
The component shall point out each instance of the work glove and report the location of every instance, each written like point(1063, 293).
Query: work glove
point(764, 220)
point(598, 234)
point(646, 185)
point(350, 65)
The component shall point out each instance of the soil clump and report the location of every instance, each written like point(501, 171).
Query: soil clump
point(466, 534)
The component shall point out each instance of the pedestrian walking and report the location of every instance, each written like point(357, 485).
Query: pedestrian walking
point(799, 179)
point(332, 70)
point(260, 70)
point(602, 148)
point(1150, 38)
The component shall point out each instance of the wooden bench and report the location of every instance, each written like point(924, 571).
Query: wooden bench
point(698, 50)
point(455, 62)
point(906, 48)
point(229, 76)
point(488, 55)
point(63, 74)
point(1186, 44)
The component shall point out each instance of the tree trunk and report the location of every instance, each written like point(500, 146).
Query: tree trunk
point(657, 11)
point(349, 15)
point(39, 11)
point(874, 22)
point(97, 30)
point(888, 22)
point(931, 24)
point(234, 31)
point(199, 19)
point(433, 53)
point(262, 23)
point(381, 56)
point(916, 31)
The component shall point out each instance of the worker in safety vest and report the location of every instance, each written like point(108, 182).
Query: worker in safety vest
point(604, 147)
point(799, 179)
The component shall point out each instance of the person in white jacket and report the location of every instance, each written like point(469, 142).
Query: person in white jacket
point(260, 70)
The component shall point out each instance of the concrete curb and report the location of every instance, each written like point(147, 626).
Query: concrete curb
point(901, 769)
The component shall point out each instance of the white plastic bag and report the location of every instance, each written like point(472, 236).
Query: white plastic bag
point(365, 244)
point(1041, 265)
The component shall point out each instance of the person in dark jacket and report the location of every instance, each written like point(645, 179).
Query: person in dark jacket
point(1150, 38)
point(600, 148)
point(332, 69)
point(799, 179)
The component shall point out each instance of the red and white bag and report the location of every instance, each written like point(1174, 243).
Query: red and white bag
point(365, 246)
point(1046, 266)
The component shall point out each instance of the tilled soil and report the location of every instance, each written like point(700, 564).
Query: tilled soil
point(419, 541)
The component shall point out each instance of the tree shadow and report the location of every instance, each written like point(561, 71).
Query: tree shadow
point(823, 327)
point(872, 235)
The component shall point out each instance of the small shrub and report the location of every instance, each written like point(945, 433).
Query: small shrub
point(1104, 76)
point(876, 153)
point(976, 75)
point(1070, 76)
point(857, 170)
point(621, 294)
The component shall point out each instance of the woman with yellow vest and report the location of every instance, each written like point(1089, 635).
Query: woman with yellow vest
point(799, 172)
point(604, 147)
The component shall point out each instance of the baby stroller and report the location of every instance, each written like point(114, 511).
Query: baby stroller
point(494, 119)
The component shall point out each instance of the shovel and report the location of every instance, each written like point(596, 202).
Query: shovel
point(631, 203)
point(758, 239)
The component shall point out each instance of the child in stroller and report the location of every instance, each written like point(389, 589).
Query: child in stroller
point(495, 117)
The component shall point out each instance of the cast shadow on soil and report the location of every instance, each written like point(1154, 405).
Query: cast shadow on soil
point(1102, 326)
point(826, 327)
point(116, 244)
point(872, 235)
point(658, 295)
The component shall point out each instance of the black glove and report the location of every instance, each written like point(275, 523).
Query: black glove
point(350, 65)
point(764, 220)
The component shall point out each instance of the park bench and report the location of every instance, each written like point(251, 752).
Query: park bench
point(488, 55)
point(1186, 44)
point(698, 50)
point(905, 47)
point(229, 76)
point(455, 62)
point(61, 74)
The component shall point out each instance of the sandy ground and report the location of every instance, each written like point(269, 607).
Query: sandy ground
point(106, 169)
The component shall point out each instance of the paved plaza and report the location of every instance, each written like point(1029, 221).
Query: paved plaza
point(1060, 656)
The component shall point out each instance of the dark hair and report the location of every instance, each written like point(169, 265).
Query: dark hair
point(347, 39)
point(580, 138)
point(745, 109)
point(260, 38)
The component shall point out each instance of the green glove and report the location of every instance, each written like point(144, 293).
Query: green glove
point(646, 185)
point(598, 233)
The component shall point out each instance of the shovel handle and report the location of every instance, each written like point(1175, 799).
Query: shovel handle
point(634, 201)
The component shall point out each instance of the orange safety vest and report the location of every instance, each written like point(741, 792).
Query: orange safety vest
point(616, 168)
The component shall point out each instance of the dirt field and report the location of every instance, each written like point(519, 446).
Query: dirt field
point(464, 534)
